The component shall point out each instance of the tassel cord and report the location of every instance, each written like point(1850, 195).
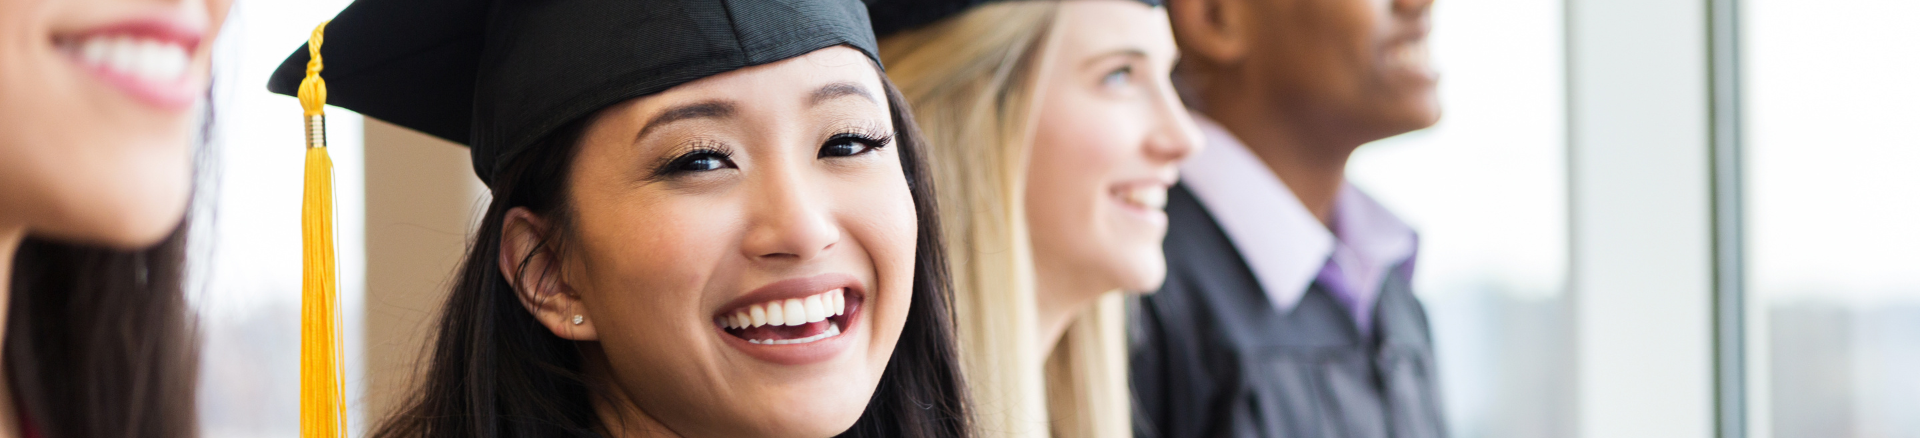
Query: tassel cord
point(322, 399)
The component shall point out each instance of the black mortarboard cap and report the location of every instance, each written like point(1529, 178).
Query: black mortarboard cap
point(497, 75)
point(891, 16)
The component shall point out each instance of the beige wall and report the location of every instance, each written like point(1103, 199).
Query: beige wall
point(422, 201)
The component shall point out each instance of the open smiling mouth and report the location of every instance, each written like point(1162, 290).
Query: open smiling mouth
point(793, 320)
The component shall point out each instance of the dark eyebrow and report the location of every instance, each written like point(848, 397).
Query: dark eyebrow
point(839, 89)
point(713, 109)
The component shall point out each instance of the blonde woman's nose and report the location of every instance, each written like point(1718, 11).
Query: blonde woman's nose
point(1175, 136)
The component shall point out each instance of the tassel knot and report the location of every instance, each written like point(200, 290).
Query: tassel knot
point(313, 90)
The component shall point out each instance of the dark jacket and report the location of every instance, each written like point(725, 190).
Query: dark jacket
point(1212, 356)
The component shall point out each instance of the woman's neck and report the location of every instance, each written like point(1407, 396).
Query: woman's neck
point(10, 239)
point(1058, 299)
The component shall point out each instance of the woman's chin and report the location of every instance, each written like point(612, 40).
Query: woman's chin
point(152, 215)
point(126, 219)
point(1142, 269)
point(811, 413)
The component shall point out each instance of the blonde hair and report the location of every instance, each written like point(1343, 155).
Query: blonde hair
point(972, 83)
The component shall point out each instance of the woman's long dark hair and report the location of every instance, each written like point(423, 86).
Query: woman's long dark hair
point(99, 342)
point(494, 371)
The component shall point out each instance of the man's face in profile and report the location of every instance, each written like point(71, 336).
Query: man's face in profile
point(1358, 67)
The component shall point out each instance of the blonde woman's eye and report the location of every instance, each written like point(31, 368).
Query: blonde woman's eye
point(1117, 78)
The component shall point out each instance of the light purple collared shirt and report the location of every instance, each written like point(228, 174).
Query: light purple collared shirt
point(1284, 244)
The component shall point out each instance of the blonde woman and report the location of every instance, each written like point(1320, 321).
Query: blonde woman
point(1055, 134)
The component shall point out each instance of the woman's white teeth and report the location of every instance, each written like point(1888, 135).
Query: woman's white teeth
point(791, 311)
point(833, 329)
point(1148, 196)
point(796, 312)
point(776, 316)
point(756, 316)
point(143, 59)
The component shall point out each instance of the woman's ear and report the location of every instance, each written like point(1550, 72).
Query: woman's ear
point(533, 267)
point(1213, 32)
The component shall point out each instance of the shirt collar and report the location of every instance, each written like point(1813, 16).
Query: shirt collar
point(1282, 243)
point(1380, 237)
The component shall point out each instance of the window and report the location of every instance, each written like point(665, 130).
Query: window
point(1833, 217)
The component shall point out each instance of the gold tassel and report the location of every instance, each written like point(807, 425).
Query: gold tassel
point(323, 411)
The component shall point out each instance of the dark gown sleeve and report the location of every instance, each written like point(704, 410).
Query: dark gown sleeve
point(1143, 340)
point(1184, 375)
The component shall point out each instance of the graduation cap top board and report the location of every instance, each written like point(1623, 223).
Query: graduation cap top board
point(497, 75)
point(890, 16)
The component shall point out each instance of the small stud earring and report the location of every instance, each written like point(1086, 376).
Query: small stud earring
point(577, 319)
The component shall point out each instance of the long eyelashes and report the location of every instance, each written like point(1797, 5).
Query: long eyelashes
point(855, 142)
point(700, 157)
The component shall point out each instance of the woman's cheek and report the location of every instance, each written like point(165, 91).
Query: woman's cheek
point(656, 255)
point(1087, 155)
point(889, 234)
point(680, 246)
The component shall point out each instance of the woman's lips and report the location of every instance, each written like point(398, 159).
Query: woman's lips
point(150, 60)
point(794, 322)
point(802, 344)
point(1144, 198)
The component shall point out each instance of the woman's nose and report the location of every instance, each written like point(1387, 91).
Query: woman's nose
point(787, 223)
point(1175, 137)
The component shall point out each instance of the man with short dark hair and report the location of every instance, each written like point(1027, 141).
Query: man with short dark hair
point(1287, 310)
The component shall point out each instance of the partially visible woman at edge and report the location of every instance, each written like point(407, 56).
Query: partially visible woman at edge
point(99, 118)
point(1055, 133)
point(708, 219)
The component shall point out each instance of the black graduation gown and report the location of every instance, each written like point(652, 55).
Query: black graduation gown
point(1212, 357)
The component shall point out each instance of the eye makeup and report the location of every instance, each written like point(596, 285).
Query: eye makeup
point(706, 155)
point(693, 157)
point(855, 140)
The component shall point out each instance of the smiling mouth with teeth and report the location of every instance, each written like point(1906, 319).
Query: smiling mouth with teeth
point(1410, 55)
point(151, 61)
point(1147, 197)
point(791, 321)
point(145, 59)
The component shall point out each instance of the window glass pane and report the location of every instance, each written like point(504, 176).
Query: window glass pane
point(1486, 189)
point(1833, 219)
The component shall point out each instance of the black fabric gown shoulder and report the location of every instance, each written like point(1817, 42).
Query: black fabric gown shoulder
point(1212, 357)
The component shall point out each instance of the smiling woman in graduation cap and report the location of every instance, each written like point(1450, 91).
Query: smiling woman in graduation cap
point(707, 218)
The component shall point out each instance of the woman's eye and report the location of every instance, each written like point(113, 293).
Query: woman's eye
point(1118, 77)
point(701, 161)
point(847, 145)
